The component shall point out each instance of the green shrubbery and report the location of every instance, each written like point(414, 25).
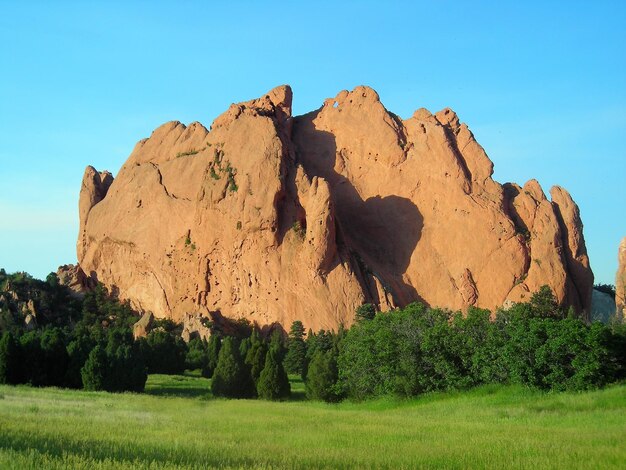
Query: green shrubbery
point(404, 352)
point(417, 349)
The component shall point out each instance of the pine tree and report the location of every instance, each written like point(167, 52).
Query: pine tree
point(231, 377)
point(296, 349)
point(273, 383)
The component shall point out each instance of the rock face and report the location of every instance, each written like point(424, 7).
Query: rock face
point(276, 218)
point(75, 279)
point(620, 282)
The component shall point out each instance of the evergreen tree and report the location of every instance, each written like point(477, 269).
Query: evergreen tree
point(9, 359)
point(127, 370)
point(255, 359)
point(321, 383)
point(231, 377)
point(197, 354)
point(278, 345)
point(213, 351)
point(164, 353)
point(78, 352)
point(54, 357)
point(244, 347)
point(273, 383)
point(96, 370)
point(296, 349)
point(31, 370)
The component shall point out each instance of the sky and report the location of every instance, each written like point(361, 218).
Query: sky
point(542, 85)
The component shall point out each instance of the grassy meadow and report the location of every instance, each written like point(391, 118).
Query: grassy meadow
point(177, 424)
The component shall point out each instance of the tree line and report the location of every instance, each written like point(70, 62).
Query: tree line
point(89, 344)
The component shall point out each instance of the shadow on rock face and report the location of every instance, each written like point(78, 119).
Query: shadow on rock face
point(382, 231)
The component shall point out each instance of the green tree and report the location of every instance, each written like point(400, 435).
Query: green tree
point(277, 344)
point(543, 304)
point(78, 352)
point(273, 382)
point(32, 366)
point(96, 369)
point(365, 312)
point(54, 357)
point(9, 359)
point(255, 359)
point(164, 352)
point(197, 354)
point(213, 351)
point(231, 377)
point(296, 349)
point(321, 382)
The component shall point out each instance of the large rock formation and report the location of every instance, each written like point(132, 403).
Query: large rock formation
point(620, 283)
point(276, 218)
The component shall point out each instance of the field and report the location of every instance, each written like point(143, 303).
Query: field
point(176, 424)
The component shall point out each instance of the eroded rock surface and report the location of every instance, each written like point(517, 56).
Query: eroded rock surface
point(75, 279)
point(620, 282)
point(275, 218)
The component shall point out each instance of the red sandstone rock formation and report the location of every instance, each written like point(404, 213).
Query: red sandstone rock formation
point(275, 218)
point(620, 282)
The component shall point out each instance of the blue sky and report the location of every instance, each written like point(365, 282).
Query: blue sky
point(541, 84)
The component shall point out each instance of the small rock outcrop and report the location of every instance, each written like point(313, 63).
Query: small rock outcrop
point(142, 327)
point(195, 326)
point(275, 218)
point(75, 279)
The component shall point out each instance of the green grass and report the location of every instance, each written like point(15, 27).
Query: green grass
point(177, 424)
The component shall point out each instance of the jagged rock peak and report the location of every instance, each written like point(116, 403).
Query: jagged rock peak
point(278, 218)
